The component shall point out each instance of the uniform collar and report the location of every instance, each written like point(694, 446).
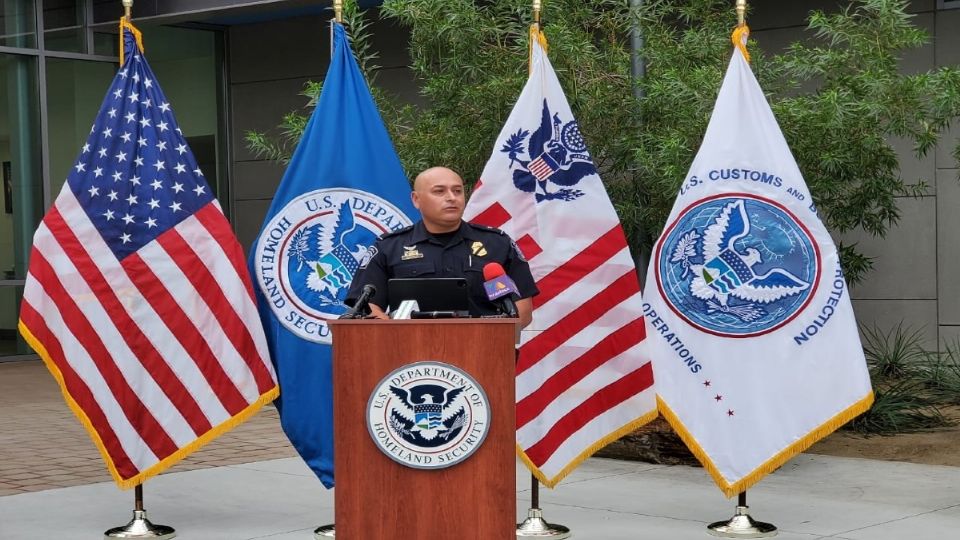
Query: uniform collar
point(421, 234)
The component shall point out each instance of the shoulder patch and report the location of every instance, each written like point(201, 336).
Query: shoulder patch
point(486, 228)
point(391, 234)
point(517, 250)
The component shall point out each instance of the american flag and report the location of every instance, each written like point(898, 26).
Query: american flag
point(137, 296)
point(583, 377)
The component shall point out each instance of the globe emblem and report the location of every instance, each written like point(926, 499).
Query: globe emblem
point(308, 253)
point(737, 265)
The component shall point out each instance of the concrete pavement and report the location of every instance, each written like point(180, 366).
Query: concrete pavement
point(812, 497)
point(246, 485)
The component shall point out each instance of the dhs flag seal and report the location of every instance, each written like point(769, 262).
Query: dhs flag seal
point(737, 265)
point(428, 415)
point(310, 250)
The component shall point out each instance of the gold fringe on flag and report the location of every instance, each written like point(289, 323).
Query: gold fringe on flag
point(739, 38)
point(771, 464)
point(126, 24)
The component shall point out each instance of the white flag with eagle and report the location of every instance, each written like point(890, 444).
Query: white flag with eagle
point(583, 376)
point(751, 330)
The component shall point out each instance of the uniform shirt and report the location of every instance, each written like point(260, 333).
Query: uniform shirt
point(413, 252)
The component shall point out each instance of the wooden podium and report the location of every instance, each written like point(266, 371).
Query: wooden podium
point(378, 498)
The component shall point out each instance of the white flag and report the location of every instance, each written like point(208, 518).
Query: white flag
point(752, 334)
point(583, 376)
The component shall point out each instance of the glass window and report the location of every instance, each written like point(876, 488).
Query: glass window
point(63, 28)
point(106, 42)
point(186, 65)
point(75, 90)
point(22, 187)
point(17, 24)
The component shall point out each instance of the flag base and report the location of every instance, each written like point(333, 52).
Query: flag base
point(741, 525)
point(140, 527)
point(536, 527)
point(325, 531)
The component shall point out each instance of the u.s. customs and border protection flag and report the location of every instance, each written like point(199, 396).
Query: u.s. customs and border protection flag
point(583, 376)
point(137, 297)
point(343, 188)
point(751, 331)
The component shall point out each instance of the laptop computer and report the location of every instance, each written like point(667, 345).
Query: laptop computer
point(431, 294)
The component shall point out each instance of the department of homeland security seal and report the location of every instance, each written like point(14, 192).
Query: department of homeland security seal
point(308, 253)
point(737, 265)
point(428, 415)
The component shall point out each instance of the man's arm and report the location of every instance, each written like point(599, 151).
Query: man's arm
point(525, 310)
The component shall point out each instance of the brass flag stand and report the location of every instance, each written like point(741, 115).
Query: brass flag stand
point(741, 525)
point(329, 531)
point(534, 526)
point(140, 526)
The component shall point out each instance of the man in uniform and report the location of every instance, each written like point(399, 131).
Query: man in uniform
point(442, 244)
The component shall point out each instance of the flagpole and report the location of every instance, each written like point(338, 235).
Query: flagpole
point(139, 526)
point(741, 525)
point(330, 530)
point(534, 525)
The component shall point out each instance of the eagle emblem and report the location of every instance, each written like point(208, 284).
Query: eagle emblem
point(325, 256)
point(558, 158)
point(739, 264)
point(428, 415)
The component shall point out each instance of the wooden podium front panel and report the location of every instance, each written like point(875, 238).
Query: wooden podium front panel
point(379, 499)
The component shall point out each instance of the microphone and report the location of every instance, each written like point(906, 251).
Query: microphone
point(500, 288)
point(362, 303)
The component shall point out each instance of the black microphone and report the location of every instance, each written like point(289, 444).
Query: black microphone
point(500, 288)
point(362, 304)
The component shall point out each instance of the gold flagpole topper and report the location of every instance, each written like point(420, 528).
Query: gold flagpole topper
point(127, 8)
point(338, 10)
point(534, 33)
point(742, 31)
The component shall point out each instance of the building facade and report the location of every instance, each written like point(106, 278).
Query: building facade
point(229, 66)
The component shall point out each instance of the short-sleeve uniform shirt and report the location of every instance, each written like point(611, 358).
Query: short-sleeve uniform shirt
point(413, 252)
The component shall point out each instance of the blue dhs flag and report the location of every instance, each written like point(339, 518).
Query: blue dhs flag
point(343, 188)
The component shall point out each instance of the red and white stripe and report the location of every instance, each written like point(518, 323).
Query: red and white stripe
point(583, 377)
point(158, 351)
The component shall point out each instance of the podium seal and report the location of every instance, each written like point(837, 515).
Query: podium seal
point(428, 415)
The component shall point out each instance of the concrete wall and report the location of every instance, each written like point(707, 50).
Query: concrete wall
point(269, 63)
point(916, 277)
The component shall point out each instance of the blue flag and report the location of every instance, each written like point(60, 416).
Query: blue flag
point(343, 188)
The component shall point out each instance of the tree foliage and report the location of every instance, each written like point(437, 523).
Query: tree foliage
point(839, 97)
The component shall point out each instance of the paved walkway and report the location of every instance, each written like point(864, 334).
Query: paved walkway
point(43, 446)
point(55, 486)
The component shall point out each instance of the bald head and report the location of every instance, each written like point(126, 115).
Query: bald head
point(438, 194)
point(435, 174)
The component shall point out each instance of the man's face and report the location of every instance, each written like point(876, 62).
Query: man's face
point(438, 194)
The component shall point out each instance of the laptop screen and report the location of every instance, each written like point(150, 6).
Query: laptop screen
point(431, 294)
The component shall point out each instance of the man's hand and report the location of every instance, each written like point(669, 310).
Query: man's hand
point(377, 312)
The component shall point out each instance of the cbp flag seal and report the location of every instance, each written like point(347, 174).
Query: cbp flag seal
point(310, 250)
point(737, 265)
point(428, 415)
